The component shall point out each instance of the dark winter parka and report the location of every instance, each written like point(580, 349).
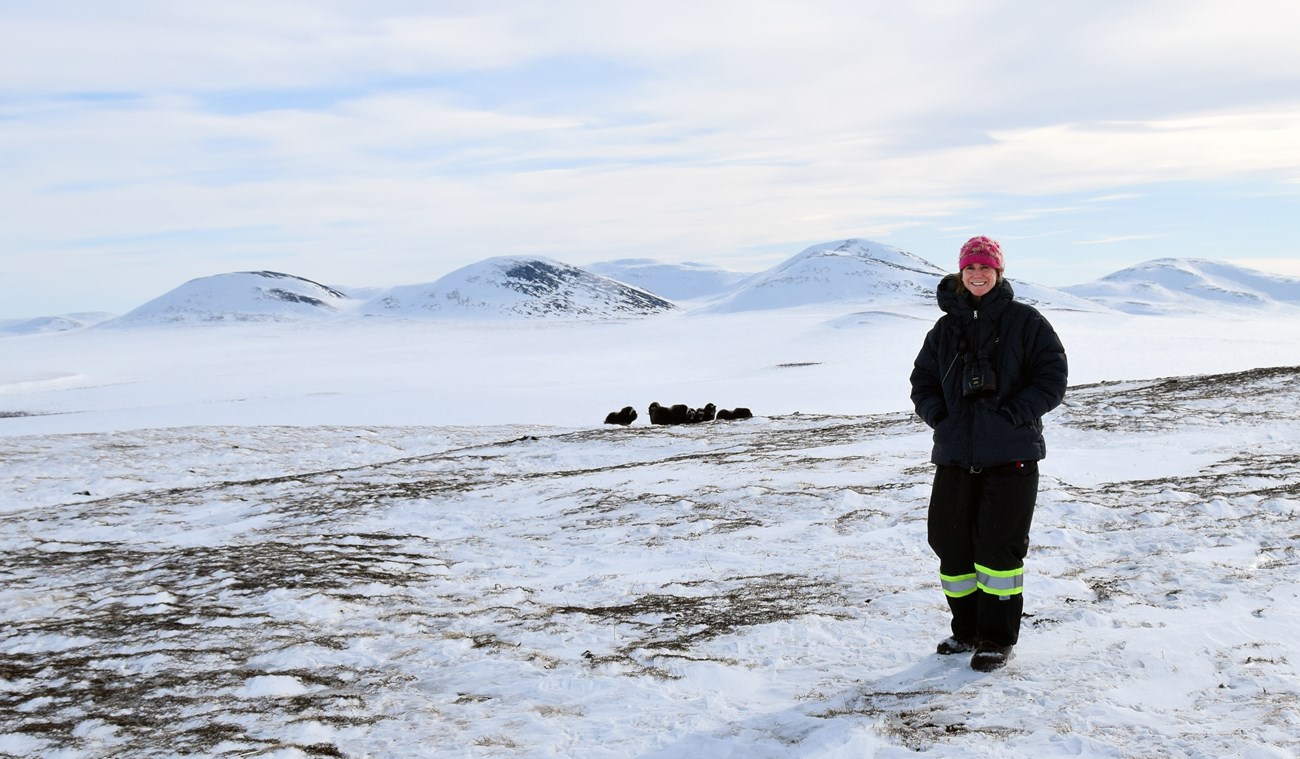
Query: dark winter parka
point(974, 429)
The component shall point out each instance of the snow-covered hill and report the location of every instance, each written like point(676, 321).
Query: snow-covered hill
point(684, 281)
point(863, 272)
point(250, 296)
point(848, 274)
point(509, 286)
point(1189, 285)
point(1041, 296)
point(42, 324)
point(845, 271)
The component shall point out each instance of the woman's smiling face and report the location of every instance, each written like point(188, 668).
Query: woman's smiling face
point(979, 279)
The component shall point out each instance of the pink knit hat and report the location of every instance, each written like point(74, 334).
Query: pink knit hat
point(981, 250)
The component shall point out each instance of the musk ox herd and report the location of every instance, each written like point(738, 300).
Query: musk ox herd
point(678, 414)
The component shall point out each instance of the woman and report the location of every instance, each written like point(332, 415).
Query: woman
point(989, 370)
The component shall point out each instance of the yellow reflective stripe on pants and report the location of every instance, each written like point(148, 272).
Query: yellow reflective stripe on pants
point(958, 586)
point(1000, 582)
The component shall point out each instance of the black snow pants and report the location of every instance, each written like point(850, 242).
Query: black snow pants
point(979, 527)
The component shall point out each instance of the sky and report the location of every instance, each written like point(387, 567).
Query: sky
point(144, 143)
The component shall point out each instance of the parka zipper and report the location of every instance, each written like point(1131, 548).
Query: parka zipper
point(970, 431)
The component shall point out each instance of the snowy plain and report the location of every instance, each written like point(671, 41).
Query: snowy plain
point(416, 538)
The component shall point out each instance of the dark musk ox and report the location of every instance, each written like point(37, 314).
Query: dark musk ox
point(624, 417)
point(740, 412)
point(705, 414)
point(680, 413)
point(659, 414)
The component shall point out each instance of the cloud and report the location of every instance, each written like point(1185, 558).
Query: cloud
point(1117, 239)
point(433, 135)
point(1289, 267)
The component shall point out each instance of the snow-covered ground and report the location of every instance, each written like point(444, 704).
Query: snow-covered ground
point(417, 539)
point(392, 372)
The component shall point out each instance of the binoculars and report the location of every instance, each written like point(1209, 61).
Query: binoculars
point(979, 378)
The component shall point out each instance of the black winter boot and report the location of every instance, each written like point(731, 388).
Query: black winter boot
point(954, 645)
point(990, 656)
